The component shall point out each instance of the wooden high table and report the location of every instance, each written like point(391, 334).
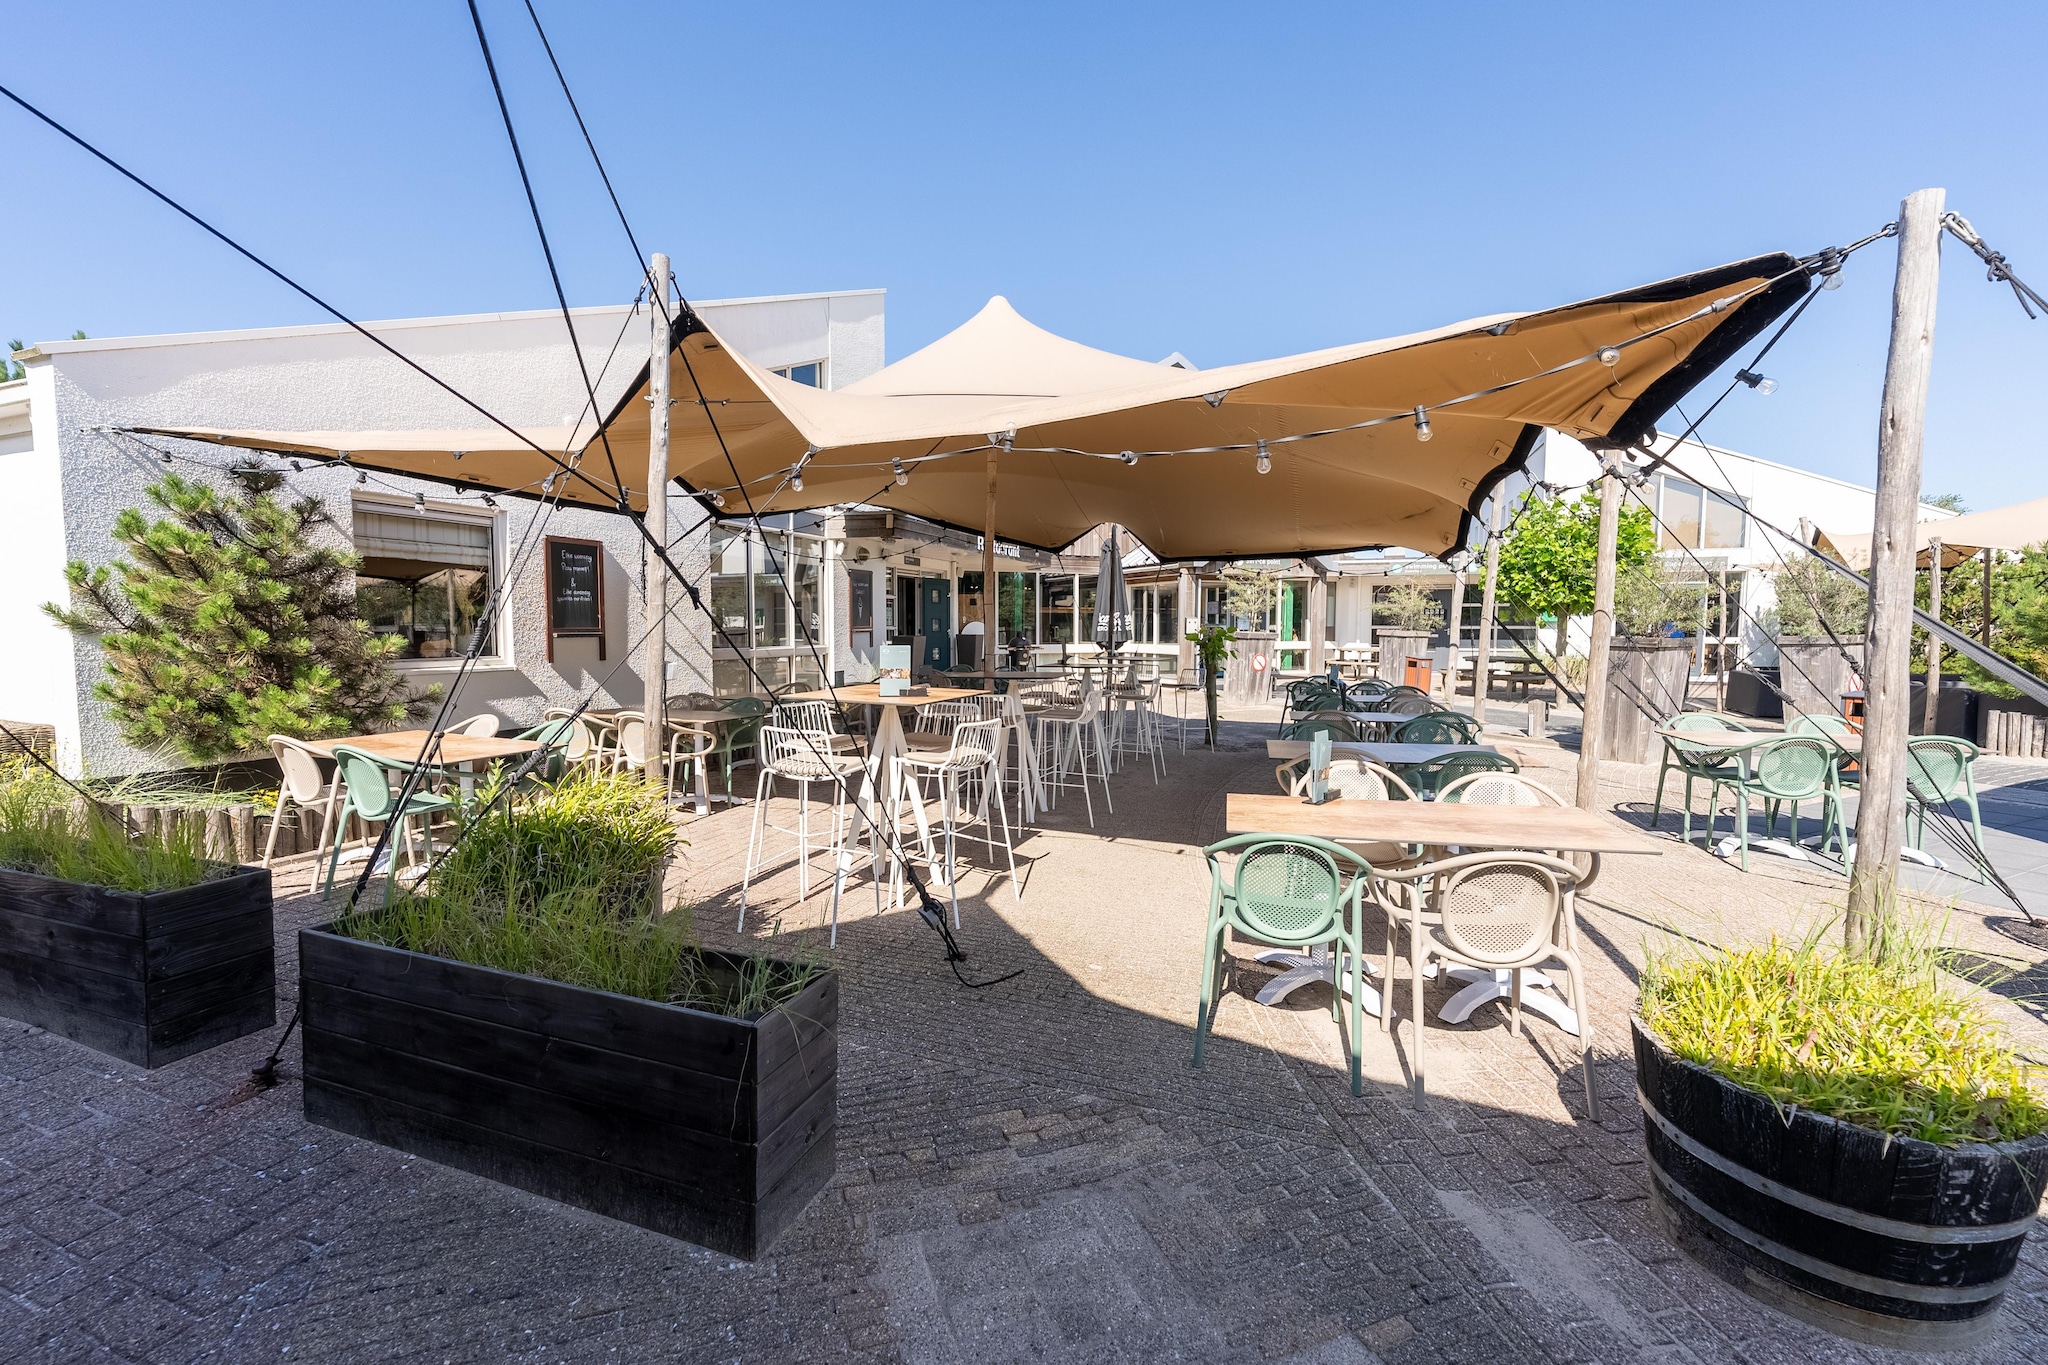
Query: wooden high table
point(1565, 829)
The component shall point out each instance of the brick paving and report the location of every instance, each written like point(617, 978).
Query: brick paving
point(1027, 1172)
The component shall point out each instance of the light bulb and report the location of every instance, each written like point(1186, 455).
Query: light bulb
point(419, 502)
point(1422, 432)
point(361, 478)
point(1265, 459)
point(796, 479)
point(1129, 457)
point(718, 499)
point(1608, 355)
point(547, 485)
point(902, 474)
point(1833, 281)
point(1763, 384)
point(490, 501)
point(1766, 385)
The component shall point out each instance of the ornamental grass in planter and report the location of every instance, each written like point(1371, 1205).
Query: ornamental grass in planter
point(1856, 1142)
point(131, 942)
point(531, 1014)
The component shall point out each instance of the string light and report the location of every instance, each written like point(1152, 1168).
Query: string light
point(1129, 457)
point(547, 486)
point(1265, 464)
point(419, 502)
point(902, 474)
point(1763, 384)
point(717, 499)
point(1608, 355)
point(490, 501)
point(1422, 431)
point(362, 477)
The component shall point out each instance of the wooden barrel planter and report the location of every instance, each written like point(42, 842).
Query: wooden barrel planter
point(148, 977)
point(1646, 686)
point(716, 1130)
point(1814, 675)
point(1397, 647)
point(1882, 1239)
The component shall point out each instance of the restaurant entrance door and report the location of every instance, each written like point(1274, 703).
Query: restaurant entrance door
point(935, 620)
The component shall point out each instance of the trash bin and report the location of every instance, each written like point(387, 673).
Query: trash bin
point(1416, 673)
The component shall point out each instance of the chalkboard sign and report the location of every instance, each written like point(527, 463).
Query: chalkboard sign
point(861, 585)
point(575, 590)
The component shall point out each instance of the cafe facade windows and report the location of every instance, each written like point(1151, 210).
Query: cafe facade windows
point(426, 575)
point(767, 600)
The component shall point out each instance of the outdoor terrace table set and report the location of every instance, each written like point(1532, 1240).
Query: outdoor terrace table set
point(1814, 759)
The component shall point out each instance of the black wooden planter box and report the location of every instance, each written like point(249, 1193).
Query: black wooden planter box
point(1887, 1240)
point(716, 1130)
point(146, 976)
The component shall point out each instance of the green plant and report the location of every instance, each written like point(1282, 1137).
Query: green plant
point(1891, 1045)
point(564, 883)
point(2019, 613)
point(1250, 594)
point(1547, 558)
point(12, 369)
point(227, 622)
point(1814, 600)
point(1212, 651)
point(45, 828)
point(1650, 597)
point(1409, 606)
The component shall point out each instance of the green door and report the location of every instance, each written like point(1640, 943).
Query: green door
point(935, 615)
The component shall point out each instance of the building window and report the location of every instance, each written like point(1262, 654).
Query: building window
point(425, 577)
point(1056, 609)
point(1152, 615)
point(811, 373)
point(1212, 605)
point(1087, 594)
point(766, 597)
point(1695, 518)
point(1016, 605)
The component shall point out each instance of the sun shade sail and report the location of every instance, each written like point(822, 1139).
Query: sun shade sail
point(1082, 437)
point(2002, 528)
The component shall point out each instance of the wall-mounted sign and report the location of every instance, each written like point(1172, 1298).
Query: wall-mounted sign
point(575, 591)
point(861, 598)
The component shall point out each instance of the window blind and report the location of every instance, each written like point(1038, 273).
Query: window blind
point(407, 535)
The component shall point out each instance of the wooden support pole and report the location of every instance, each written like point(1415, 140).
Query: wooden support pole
point(1929, 719)
point(990, 589)
point(1987, 596)
point(1881, 810)
point(1457, 621)
point(1318, 611)
point(654, 672)
point(1721, 663)
point(1482, 658)
point(1596, 653)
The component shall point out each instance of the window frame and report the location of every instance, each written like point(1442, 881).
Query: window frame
point(499, 652)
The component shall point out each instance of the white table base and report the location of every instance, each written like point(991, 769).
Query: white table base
point(1488, 986)
point(1315, 965)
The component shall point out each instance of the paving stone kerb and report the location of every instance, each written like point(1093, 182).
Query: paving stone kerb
point(1029, 1171)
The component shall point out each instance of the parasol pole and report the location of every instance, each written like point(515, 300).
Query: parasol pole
point(1595, 708)
point(988, 581)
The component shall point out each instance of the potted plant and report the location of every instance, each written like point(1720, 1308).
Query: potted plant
point(133, 943)
point(1212, 651)
point(1413, 616)
point(1853, 1141)
point(529, 1014)
point(1820, 623)
point(1648, 665)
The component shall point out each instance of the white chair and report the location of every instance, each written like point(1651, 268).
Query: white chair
point(1494, 912)
point(1135, 724)
point(1070, 736)
point(969, 771)
point(686, 745)
point(483, 726)
point(801, 756)
point(936, 722)
point(303, 786)
point(817, 718)
point(1513, 789)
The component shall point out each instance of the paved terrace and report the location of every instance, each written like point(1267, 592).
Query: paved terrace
point(1030, 1172)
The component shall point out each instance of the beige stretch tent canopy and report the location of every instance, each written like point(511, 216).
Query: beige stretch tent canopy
point(1087, 437)
point(2002, 528)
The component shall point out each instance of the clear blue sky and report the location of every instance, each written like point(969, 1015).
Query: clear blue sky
point(1228, 181)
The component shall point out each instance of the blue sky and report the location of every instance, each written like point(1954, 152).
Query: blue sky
point(1226, 181)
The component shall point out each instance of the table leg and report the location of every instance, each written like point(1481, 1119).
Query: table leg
point(1487, 986)
point(1302, 968)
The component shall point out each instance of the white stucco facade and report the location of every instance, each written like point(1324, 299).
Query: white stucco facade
point(68, 478)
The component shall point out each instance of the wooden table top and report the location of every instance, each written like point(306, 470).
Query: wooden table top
point(1728, 741)
point(403, 746)
point(1565, 828)
point(870, 694)
point(1389, 755)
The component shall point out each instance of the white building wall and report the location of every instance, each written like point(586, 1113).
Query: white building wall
point(73, 480)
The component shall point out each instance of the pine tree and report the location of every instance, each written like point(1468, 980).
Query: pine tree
point(226, 623)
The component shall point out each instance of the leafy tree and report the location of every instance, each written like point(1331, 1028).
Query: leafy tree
point(227, 623)
point(1952, 502)
point(1409, 606)
point(2019, 614)
point(1810, 593)
point(1249, 594)
point(1547, 558)
point(11, 369)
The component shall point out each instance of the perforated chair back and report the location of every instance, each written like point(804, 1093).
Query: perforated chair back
point(1498, 789)
point(1438, 727)
point(1701, 720)
point(1289, 892)
point(1938, 766)
point(1793, 768)
point(1832, 727)
point(1501, 909)
point(1410, 703)
point(1337, 727)
point(369, 792)
point(300, 768)
point(1438, 773)
point(1367, 691)
point(633, 739)
point(1354, 779)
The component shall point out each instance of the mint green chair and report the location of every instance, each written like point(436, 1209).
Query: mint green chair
point(556, 737)
point(1290, 891)
point(1339, 727)
point(1432, 777)
point(734, 743)
point(370, 796)
point(1938, 771)
point(1789, 772)
point(1696, 763)
point(1438, 727)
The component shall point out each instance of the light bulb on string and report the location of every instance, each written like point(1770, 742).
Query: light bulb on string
point(1129, 457)
point(796, 480)
point(902, 474)
point(1422, 431)
point(1762, 383)
point(419, 502)
point(1833, 281)
point(361, 478)
point(1265, 462)
point(1608, 355)
point(717, 499)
